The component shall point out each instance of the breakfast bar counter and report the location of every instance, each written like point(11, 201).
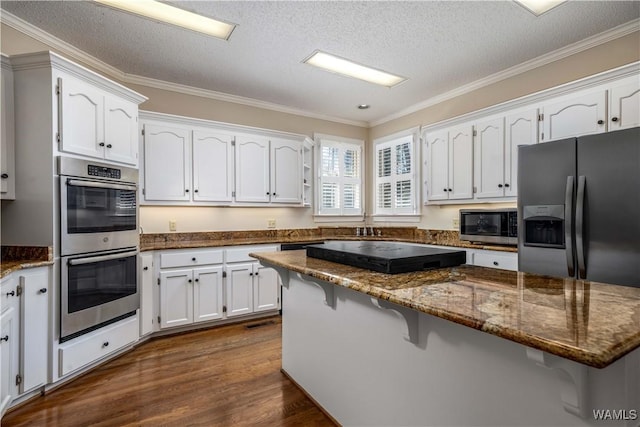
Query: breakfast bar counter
point(459, 346)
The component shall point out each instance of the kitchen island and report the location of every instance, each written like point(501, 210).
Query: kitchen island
point(459, 346)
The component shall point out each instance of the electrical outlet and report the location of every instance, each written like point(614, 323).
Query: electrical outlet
point(172, 225)
point(456, 223)
point(271, 223)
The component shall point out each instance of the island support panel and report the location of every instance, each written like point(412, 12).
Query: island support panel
point(367, 363)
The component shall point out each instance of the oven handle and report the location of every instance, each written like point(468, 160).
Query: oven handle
point(96, 184)
point(90, 260)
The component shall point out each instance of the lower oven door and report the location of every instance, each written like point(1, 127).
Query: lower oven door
point(97, 289)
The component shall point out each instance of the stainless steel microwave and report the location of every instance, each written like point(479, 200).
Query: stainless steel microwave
point(498, 226)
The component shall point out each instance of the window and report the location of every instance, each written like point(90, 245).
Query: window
point(339, 174)
point(395, 177)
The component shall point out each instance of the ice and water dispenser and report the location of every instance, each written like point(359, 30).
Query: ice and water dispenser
point(543, 226)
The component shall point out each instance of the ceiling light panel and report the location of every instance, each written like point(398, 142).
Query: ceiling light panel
point(348, 68)
point(163, 12)
point(538, 7)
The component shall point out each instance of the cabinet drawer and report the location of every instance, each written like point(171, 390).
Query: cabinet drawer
point(242, 254)
point(191, 258)
point(502, 261)
point(96, 345)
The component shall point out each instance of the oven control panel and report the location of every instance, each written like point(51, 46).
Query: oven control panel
point(103, 172)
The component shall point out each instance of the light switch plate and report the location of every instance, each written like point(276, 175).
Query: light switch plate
point(456, 223)
point(271, 223)
point(172, 225)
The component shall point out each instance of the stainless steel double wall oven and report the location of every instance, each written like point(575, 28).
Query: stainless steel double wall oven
point(98, 245)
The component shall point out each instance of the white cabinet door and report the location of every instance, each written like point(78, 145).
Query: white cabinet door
point(34, 326)
point(207, 293)
point(252, 169)
point(437, 173)
point(8, 357)
point(120, 130)
point(239, 289)
point(265, 288)
point(82, 118)
point(212, 166)
point(461, 162)
point(488, 149)
point(166, 163)
point(7, 139)
point(582, 113)
point(286, 171)
point(146, 293)
point(521, 128)
point(624, 104)
point(176, 298)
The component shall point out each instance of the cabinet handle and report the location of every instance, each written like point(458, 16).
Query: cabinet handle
point(506, 185)
point(614, 119)
point(5, 338)
point(145, 268)
point(101, 144)
point(600, 122)
point(499, 185)
point(43, 290)
point(105, 344)
point(4, 175)
point(495, 263)
point(11, 294)
point(109, 146)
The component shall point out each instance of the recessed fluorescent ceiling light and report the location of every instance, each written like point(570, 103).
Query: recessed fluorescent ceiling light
point(172, 15)
point(348, 68)
point(538, 7)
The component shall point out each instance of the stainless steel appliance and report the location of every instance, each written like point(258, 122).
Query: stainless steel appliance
point(579, 208)
point(98, 245)
point(498, 226)
point(98, 206)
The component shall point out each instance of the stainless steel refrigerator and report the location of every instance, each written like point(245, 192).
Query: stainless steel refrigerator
point(579, 208)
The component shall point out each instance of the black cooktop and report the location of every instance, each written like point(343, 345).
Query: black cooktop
point(387, 257)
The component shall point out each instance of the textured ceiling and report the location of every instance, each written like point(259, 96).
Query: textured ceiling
point(439, 46)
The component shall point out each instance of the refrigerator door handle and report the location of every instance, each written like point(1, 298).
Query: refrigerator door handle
point(568, 226)
point(582, 269)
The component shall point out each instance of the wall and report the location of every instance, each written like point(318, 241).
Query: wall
point(156, 219)
point(607, 56)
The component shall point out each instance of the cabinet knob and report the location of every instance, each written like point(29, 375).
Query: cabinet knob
point(186, 190)
point(197, 280)
point(506, 185)
point(193, 259)
point(195, 191)
point(268, 193)
point(43, 290)
point(105, 344)
point(101, 144)
point(499, 185)
point(109, 146)
point(145, 268)
point(190, 281)
point(614, 119)
point(5, 338)
point(450, 190)
point(256, 273)
point(4, 175)
point(444, 189)
point(495, 263)
point(250, 274)
point(600, 122)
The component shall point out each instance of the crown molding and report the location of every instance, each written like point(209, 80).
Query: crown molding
point(78, 55)
point(582, 45)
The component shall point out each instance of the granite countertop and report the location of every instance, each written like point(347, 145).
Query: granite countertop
point(588, 322)
point(162, 241)
point(16, 258)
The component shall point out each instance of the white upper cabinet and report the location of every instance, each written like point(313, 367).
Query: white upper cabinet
point(213, 164)
point(489, 158)
point(521, 128)
point(450, 163)
point(95, 123)
point(166, 163)
point(624, 103)
point(252, 169)
point(7, 140)
point(576, 114)
point(286, 171)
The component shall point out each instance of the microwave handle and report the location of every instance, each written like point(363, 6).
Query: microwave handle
point(95, 184)
point(90, 260)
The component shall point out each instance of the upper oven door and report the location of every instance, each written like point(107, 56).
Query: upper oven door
point(97, 215)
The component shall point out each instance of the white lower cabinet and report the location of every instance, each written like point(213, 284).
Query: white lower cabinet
point(24, 332)
point(201, 285)
point(96, 345)
point(494, 259)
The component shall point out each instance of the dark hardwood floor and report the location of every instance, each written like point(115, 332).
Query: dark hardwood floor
point(227, 376)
